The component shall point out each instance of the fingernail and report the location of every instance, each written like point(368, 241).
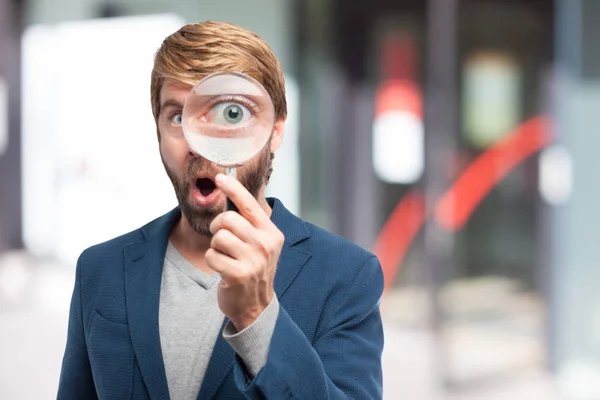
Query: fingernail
point(221, 178)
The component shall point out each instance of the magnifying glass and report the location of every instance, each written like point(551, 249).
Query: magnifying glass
point(228, 118)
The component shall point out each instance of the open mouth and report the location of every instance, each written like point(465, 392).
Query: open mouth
point(206, 186)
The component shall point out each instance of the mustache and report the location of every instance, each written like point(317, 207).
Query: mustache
point(199, 165)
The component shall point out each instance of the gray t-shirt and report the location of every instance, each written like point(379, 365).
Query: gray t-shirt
point(190, 322)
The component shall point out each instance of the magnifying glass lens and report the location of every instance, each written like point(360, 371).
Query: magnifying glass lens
point(228, 118)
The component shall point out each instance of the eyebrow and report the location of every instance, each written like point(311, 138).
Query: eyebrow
point(170, 103)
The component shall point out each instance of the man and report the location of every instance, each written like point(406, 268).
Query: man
point(202, 303)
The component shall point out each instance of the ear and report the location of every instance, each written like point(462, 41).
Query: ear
point(277, 137)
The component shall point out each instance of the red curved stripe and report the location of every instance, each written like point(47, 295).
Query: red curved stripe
point(482, 175)
point(398, 234)
point(456, 206)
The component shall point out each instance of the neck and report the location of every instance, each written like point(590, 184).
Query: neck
point(187, 240)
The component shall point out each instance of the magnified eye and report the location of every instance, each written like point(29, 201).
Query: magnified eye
point(229, 113)
point(233, 114)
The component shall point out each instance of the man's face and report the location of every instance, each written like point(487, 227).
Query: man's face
point(193, 177)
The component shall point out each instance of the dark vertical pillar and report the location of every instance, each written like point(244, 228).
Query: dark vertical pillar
point(10, 155)
point(356, 195)
point(440, 139)
point(363, 201)
point(354, 202)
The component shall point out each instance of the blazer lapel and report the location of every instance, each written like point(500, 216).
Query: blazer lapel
point(292, 258)
point(290, 263)
point(221, 362)
point(143, 273)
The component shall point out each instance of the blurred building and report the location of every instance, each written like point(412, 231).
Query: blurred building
point(456, 139)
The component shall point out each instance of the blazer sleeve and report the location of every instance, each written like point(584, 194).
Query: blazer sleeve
point(76, 380)
point(344, 362)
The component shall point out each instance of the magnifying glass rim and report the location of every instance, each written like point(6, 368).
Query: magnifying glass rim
point(251, 80)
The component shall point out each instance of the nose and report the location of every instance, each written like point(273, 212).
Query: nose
point(190, 152)
point(194, 157)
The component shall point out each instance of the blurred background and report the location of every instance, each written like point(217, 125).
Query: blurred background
point(456, 139)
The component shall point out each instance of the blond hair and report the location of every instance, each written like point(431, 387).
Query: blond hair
point(198, 50)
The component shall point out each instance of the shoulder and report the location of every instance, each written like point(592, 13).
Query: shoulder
point(334, 260)
point(341, 280)
point(328, 244)
point(110, 252)
point(109, 248)
point(341, 259)
point(102, 263)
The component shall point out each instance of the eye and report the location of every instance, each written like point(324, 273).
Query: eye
point(177, 119)
point(229, 113)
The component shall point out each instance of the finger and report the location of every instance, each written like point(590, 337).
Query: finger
point(227, 243)
point(221, 263)
point(246, 203)
point(234, 223)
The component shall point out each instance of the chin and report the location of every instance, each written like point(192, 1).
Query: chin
point(200, 218)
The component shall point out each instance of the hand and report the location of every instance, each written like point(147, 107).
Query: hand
point(245, 249)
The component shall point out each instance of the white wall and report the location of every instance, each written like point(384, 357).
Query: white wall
point(91, 165)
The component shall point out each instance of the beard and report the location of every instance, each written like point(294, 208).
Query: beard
point(253, 176)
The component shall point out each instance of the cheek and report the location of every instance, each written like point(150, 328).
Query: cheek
point(173, 152)
point(252, 165)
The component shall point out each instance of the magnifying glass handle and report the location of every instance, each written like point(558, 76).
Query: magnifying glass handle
point(229, 205)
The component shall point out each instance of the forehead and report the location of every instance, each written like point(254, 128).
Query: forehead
point(172, 90)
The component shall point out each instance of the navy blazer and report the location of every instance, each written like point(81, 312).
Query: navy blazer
point(327, 341)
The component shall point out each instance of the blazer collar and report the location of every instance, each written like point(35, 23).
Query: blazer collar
point(143, 275)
